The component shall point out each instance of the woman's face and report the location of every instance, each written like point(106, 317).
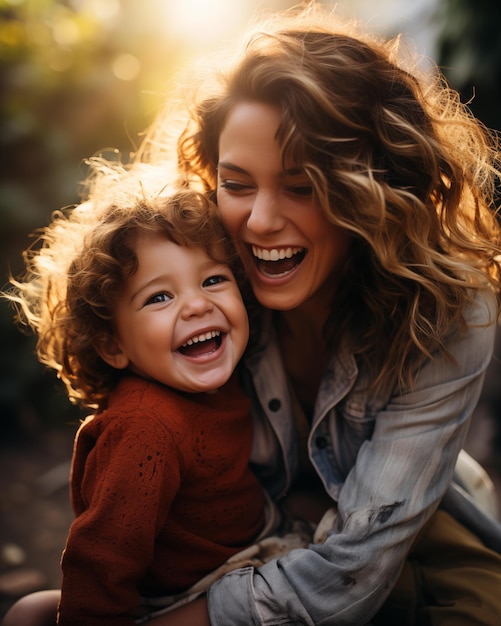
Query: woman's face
point(294, 253)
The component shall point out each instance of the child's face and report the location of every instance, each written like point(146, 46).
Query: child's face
point(180, 319)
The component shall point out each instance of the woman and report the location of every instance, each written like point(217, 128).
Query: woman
point(360, 195)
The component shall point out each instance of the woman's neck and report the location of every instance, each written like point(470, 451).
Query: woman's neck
point(304, 350)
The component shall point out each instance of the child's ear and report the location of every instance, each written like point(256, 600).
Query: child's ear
point(110, 351)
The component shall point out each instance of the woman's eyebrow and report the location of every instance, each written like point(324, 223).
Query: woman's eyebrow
point(293, 171)
point(233, 168)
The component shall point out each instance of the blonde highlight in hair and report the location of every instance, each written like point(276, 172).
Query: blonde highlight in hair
point(394, 158)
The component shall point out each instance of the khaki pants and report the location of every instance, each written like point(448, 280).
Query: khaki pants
point(449, 579)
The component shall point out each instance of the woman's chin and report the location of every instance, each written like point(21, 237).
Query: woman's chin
point(277, 300)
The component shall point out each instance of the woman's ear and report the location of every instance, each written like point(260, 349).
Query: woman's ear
point(110, 351)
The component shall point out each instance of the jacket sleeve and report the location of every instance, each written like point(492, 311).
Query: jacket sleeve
point(400, 476)
point(128, 480)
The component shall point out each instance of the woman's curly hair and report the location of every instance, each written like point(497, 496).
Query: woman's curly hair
point(79, 263)
point(394, 158)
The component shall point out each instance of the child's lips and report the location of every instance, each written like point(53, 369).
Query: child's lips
point(202, 344)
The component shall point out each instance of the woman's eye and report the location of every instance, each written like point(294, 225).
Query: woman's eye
point(158, 297)
point(214, 280)
point(233, 185)
point(301, 190)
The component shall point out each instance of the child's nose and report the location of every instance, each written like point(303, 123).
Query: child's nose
point(196, 305)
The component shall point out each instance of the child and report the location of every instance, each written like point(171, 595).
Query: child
point(137, 308)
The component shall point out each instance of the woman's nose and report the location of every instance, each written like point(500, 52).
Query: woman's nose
point(265, 215)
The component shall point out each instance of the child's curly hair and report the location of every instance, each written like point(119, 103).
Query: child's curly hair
point(79, 263)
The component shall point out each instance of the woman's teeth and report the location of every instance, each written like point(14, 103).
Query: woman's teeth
point(275, 254)
point(203, 337)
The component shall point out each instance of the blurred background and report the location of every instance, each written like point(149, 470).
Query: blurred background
point(78, 77)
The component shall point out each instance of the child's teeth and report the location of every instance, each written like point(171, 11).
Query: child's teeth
point(203, 337)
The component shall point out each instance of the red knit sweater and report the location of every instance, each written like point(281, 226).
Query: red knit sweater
point(162, 494)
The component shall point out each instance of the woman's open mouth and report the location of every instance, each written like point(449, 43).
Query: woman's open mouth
point(203, 344)
point(276, 262)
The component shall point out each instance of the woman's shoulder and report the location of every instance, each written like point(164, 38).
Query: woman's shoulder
point(483, 310)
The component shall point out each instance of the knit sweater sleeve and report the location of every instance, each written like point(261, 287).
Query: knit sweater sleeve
point(125, 474)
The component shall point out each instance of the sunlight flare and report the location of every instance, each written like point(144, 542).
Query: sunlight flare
point(205, 22)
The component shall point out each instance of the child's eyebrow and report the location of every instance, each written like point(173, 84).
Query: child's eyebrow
point(146, 285)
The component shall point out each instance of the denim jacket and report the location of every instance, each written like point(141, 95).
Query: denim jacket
point(386, 459)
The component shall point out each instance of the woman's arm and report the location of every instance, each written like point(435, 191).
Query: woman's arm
point(399, 478)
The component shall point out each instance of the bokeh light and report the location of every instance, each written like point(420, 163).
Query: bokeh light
point(126, 66)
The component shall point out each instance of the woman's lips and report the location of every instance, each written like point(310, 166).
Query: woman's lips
point(275, 262)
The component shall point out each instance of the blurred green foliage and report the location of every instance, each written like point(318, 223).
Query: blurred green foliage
point(78, 77)
point(75, 78)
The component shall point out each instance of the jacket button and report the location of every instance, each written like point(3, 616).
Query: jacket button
point(274, 405)
point(321, 442)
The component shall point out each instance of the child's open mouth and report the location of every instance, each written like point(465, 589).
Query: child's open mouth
point(202, 344)
point(278, 261)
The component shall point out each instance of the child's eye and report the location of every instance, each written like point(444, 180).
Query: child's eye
point(158, 297)
point(214, 280)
